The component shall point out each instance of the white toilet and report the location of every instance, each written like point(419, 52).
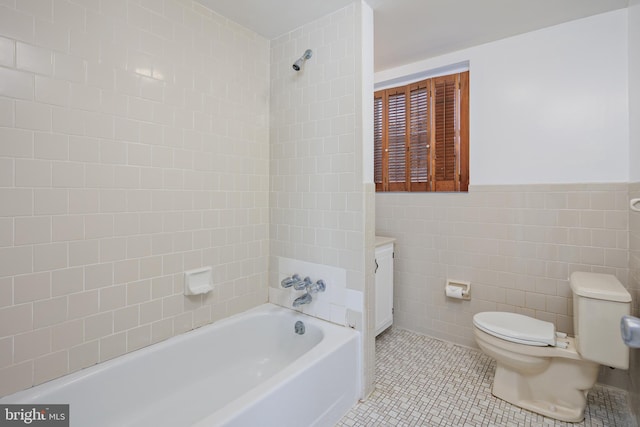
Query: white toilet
point(547, 372)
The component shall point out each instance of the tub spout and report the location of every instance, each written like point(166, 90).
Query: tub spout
point(304, 299)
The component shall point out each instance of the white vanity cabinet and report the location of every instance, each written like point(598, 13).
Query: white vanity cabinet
point(384, 283)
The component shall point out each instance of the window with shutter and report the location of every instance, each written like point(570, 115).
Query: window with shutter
point(421, 135)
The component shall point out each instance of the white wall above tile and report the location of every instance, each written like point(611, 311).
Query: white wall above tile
point(538, 109)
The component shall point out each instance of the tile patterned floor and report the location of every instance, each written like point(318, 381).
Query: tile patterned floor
point(421, 381)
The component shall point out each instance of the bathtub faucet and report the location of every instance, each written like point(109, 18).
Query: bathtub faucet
point(304, 299)
point(312, 288)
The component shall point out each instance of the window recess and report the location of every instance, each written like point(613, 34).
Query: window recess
point(421, 135)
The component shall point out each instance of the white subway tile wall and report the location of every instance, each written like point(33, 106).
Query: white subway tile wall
point(517, 245)
point(320, 210)
point(134, 145)
point(317, 195)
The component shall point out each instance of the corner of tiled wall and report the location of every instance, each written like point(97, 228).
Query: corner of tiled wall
point(317, 199)
point(316, 206)
point(133, 146)
point(634, 249)
point(369, 340)
point(634, 288)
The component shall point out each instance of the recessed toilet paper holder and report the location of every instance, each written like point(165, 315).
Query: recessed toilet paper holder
point(458, 289)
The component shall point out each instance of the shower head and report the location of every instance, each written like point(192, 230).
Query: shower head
point(298, 64)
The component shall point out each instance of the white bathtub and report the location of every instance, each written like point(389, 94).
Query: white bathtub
point(248, 370)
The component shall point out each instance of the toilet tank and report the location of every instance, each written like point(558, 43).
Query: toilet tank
point(599, 302)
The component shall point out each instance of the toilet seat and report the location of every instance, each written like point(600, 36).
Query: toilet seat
point(516, 328)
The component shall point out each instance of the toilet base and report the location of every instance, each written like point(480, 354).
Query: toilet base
point(559, 392)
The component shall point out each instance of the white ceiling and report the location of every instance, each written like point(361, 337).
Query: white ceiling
point(410, 30)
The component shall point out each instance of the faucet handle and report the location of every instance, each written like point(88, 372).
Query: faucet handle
point(319, 286)
point(302, 284)
point(290, 281)
point(630, 330)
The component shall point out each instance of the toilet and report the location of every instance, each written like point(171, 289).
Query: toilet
point(545, 371)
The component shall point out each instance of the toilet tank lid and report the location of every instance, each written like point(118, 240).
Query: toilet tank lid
point(598, 286)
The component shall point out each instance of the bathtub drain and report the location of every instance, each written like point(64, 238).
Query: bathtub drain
point(299, 327)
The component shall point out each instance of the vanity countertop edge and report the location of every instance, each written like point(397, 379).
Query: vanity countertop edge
point(382, 240)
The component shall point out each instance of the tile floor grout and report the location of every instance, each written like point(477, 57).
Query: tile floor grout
point(423, 381)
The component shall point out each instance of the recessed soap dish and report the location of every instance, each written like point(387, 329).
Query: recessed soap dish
point(198, 281)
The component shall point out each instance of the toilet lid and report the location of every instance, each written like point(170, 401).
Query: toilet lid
point(516, 328)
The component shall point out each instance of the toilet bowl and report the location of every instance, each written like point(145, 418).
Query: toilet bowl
point(548, 372)
point(545, 379)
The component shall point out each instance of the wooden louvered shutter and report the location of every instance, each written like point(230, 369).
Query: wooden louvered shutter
point(396, 150)
point(419, 137)
point(378, 132)
point(463, 106)
point(446, 133)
